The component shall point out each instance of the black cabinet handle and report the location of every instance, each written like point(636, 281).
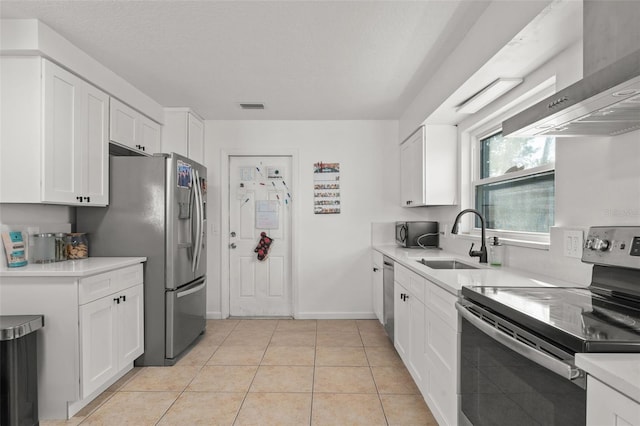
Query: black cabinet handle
point(87, 199)
point(375, 269)
point(124, 298)
point(79, 199)
point(117, 300)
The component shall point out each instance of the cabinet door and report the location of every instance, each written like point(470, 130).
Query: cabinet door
point(98, 345)
point(377, 286)
point(123, 124)
point(149, 136)
point(130, 325)
point(607, 406)
point(196, 139)
point(412, 173)
point(440, 165)
point(401, 331)
point(62, 176)
point(428, 161)
point(95, 159)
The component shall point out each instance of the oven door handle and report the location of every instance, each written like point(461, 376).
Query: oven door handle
point(564, 369)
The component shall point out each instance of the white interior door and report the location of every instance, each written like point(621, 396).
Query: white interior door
point(259, 201)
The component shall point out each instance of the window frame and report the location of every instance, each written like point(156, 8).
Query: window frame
point(521, 238)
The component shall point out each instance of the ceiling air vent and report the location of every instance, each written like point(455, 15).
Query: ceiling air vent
point(252, 105)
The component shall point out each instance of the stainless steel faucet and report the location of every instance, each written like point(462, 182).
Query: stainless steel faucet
point(482, 253)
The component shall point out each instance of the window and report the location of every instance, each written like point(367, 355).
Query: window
point(515, 188)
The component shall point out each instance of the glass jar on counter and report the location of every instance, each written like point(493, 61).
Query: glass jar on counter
point(60, 246)
point(77, 245)
point(44, 249)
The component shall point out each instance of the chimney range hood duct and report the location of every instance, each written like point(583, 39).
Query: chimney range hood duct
point(604, 103)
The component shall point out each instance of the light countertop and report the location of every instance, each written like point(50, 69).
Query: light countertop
point(620, 371)
point(71, 268)
point(452, 280)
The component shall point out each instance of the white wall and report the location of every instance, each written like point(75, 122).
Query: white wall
point(26, 214)
point(333, 250)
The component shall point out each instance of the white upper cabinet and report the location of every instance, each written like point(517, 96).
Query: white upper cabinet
point(54, 146)
point(183, 133)
point(428, 167)
point(132, 129)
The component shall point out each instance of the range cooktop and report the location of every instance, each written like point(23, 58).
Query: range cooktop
point(576, 318)
point(604, 317)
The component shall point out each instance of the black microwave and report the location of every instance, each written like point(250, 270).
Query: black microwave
point(417, 234)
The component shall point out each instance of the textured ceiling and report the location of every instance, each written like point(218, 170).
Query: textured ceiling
point(303, 59)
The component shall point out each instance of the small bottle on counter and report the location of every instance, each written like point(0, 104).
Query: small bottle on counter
point(496, 252)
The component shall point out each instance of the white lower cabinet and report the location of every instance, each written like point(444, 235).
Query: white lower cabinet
point(607, 406)
point(409, 314)
point(89, 340)
point(426, 338)
point(111, 330)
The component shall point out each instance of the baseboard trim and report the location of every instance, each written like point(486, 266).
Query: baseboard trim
point(336, 315)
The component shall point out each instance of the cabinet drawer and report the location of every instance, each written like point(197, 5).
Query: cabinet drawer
point(442, 304)
point(97, 286)
point(411, 281)
point(417, 286)
point(401, 275)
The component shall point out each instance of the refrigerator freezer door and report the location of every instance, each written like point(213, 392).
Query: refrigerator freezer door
point(185, 316)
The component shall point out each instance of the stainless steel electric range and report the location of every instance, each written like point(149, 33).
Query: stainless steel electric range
point(518, 344)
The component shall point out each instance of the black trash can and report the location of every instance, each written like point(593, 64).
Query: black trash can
point(19, 369)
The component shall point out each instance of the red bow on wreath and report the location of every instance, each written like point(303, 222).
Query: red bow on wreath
point(263, 246)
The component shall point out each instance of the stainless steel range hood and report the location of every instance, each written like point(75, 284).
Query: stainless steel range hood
point(605, 102)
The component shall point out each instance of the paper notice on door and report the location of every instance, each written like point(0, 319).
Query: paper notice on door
point(267, 214)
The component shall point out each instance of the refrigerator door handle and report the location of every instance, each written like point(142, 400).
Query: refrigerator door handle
point(195, 221)
point(198, 209)
point(190, 291)
point(201, 229)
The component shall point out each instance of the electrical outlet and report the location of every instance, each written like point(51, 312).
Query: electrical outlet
point(444, 230)
point(573, 242)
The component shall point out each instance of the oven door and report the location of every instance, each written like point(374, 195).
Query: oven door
point(511, 377)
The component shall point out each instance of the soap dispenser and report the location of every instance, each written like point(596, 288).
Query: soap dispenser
point(496, 252)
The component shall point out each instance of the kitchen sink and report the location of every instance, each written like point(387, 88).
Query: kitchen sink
point(446, 264)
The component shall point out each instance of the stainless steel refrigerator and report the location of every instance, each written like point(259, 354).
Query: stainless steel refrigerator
point(158, 209)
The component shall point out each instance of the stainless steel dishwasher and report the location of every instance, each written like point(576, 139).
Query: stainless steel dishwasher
point(387, 280)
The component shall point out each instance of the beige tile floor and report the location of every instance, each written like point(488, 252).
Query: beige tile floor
point(270, 372)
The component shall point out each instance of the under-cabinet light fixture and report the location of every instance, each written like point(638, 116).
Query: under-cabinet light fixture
point(487, 95)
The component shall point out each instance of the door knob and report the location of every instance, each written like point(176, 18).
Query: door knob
point(232, 245)
point(233, 234)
